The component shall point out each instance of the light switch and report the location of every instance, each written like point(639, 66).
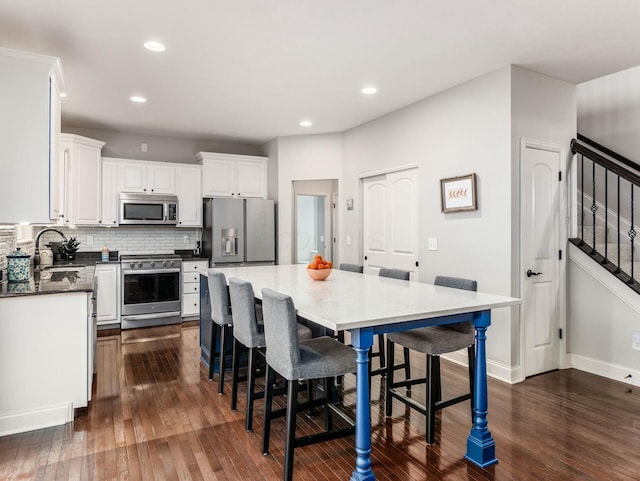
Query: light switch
point(635, 341)
point(432, 244)
point(347, 240)
point(89, 240)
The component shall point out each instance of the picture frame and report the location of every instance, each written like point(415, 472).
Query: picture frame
point(458, 193)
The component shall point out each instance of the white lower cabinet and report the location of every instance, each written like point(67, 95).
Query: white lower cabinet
point(108, 301)
point(191, 286)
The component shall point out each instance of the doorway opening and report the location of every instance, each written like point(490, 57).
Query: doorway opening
point(314, 220)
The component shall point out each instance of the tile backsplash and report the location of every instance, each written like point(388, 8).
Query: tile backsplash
point(129, 239)
point(9, 242)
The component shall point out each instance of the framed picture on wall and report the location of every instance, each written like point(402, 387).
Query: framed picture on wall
point(458, 193)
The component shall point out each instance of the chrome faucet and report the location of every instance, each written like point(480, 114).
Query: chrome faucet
point(36, 255)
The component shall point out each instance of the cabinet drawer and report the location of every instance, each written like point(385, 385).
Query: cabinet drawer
point(191, 304)
point(191, 288)
point(190, 277)
point(189, 267)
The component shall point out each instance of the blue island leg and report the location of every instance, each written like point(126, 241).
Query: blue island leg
point(362, 340)
point(481, 448)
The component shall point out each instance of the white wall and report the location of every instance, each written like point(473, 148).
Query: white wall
point(609, 111)
point(308, 157)
point(603, 314)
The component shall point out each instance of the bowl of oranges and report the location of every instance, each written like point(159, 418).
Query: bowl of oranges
point(319, 269)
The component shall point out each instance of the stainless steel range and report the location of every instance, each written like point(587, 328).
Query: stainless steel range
point(150, 290)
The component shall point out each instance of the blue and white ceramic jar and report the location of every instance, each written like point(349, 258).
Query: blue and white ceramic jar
point(18, 264)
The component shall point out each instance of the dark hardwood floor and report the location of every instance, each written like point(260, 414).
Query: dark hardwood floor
point(155, 416)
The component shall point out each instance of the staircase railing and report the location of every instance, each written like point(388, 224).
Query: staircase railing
point(609, 171)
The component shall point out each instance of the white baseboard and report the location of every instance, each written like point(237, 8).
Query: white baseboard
point(31, 420)
point(496, 370)
point(600, 368)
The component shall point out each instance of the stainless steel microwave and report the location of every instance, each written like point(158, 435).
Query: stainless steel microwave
point(145, 209)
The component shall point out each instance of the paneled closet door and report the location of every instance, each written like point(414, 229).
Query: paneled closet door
point(390, 221)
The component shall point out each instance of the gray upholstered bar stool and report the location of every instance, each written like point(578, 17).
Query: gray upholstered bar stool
point(433, 341)
point(248, 331)
point(319, 358)
point(403, 276)
point(222, 323)
point(351, 268)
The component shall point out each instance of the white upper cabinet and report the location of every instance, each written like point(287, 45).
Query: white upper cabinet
point(189, 191)
point(83, 179)
point(231, 175)
point(146, 177)
point(109, 192)
point(29, 136)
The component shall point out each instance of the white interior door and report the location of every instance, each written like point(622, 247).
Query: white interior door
point(541, 164)
point(390, 221)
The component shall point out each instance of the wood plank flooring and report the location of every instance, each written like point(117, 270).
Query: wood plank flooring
point(155, 416)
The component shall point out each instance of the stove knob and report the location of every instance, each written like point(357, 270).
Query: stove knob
point(140, 265)
point(153, 264)
point(132, 265)
point(164, 263)
point(171, 263)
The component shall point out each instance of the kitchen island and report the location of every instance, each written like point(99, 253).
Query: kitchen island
point(47, 336)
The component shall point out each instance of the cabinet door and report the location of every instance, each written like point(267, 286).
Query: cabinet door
point(132, 177)
point(160, 179)
point(56, 180)
point(85, 179)
point(27, 136)
point(219, 178)
point(251, 179)
point(189, 191)
point(108, 299)
point(109, 193)
point(190, 304)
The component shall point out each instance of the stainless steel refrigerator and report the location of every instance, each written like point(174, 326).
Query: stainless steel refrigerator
point(238, 231)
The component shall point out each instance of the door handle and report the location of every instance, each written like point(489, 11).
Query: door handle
point(531, 273)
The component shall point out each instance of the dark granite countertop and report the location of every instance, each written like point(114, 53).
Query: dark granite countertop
point(187, 255)
point(58, 279)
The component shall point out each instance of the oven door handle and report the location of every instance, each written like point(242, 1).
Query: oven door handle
point(151, 271)
point(158, 315)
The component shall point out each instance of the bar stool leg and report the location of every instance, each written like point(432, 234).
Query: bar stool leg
point(388, 403)
point(270, 378)
point(431, 402)
point(235, 369)
point(290, 442)
point(212, 349)
point(221, 362)
point(251, 386)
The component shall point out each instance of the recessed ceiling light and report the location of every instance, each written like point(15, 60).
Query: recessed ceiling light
point(154, 46)
point(63, 95)
point(369, 90)
point(137, 99)
point(306, 123)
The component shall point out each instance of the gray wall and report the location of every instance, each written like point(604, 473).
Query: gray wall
point(126, 145)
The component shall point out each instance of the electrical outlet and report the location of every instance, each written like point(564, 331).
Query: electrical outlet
point(635, 341)
point(89, 240)
point(143, 147)
point(185, 239)
point(347, 240)
point(432, 244)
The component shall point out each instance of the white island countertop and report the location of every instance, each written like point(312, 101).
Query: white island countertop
point(348, 300)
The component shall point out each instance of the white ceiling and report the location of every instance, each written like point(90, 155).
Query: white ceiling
point(251, 70)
